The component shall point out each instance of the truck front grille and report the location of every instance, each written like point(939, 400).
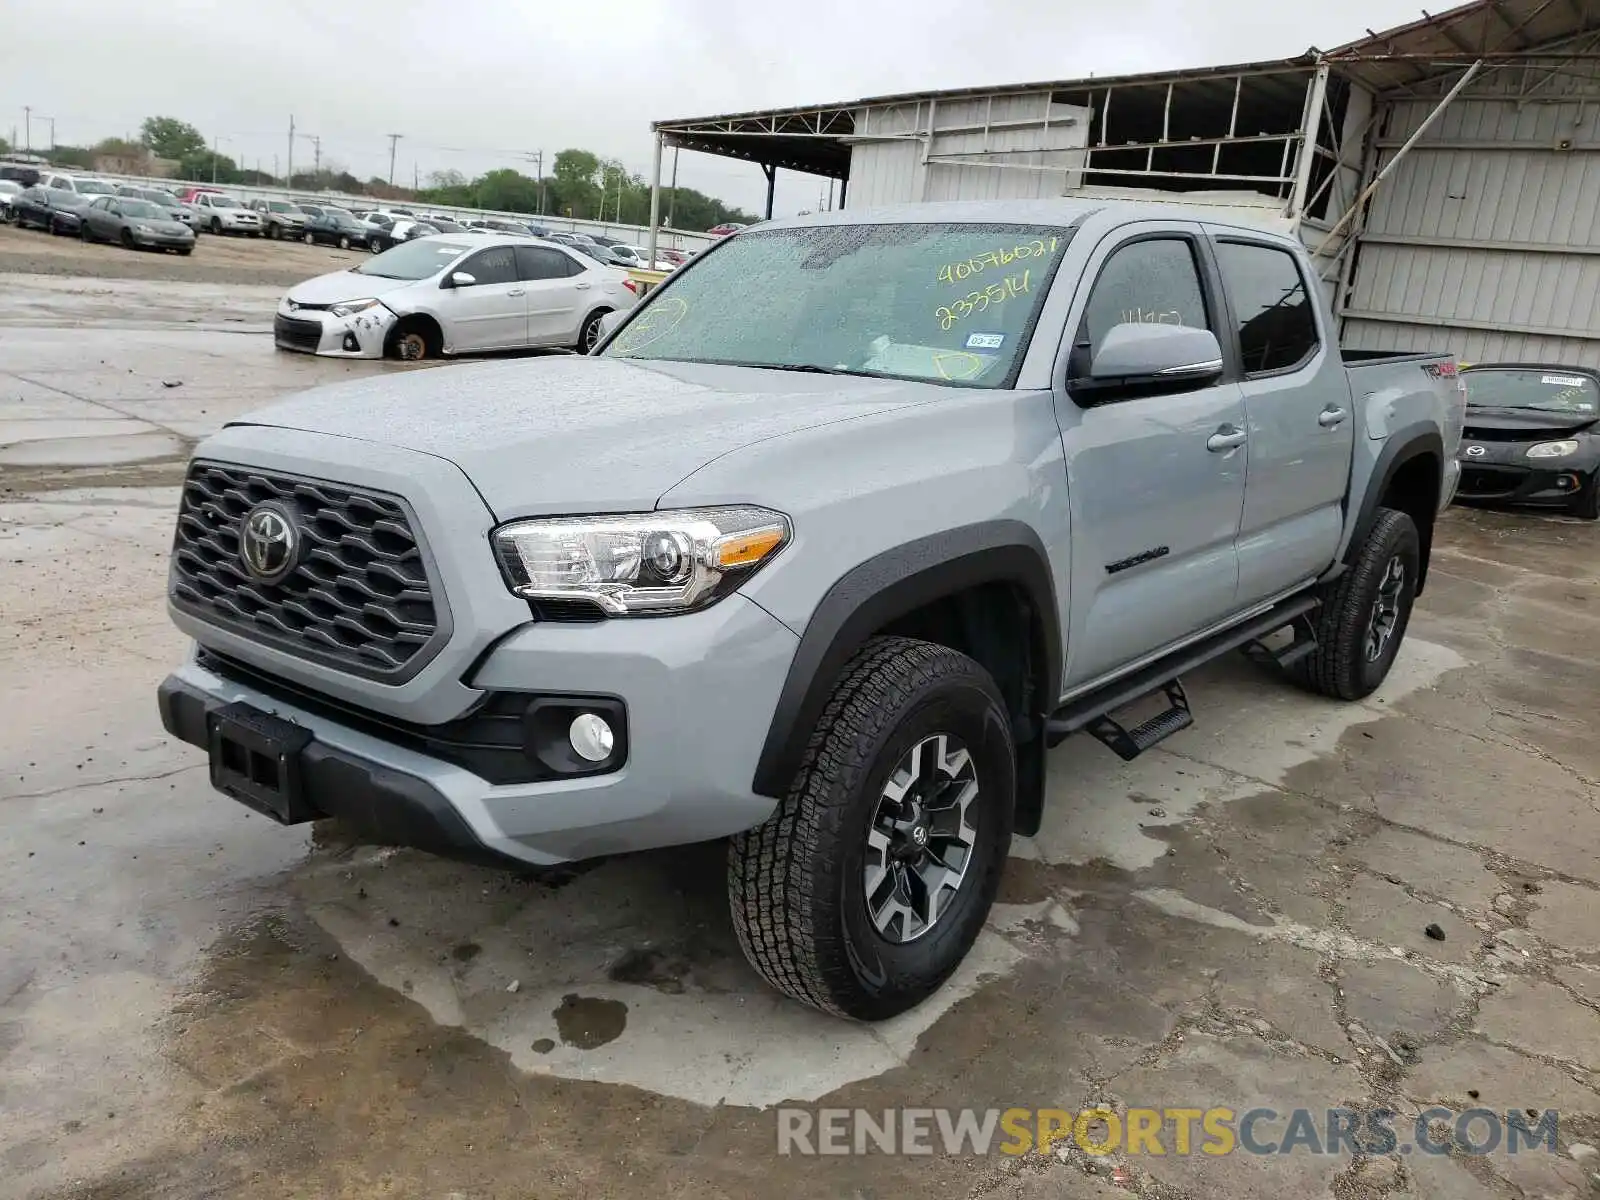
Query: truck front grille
point(358, 597)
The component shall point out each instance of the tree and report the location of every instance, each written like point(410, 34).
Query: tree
point(509, 190)
point(73, 156)
point(204, 167)
point(169, 137)
point(446, 179)
point(5, 146)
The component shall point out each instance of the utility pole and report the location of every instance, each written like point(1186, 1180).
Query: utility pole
point(416, 180)
point(288, 177)
point(316, 149)
point(27, 129)
point(394, 138)
point(213, 158)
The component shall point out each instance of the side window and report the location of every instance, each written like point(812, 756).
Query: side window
point(542, 262)
point(1152, 281)
point(1277, 326)
point(495, 265)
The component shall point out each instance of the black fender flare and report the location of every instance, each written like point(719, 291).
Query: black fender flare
point(890, 585)
point(1404, 445)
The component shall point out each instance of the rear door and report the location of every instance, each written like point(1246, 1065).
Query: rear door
point(1301, 420)
point(558, 290)
point(492, 312)
point(1155, 482)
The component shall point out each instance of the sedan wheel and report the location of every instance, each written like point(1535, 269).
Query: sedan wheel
point(311, 239)
point(344, 241)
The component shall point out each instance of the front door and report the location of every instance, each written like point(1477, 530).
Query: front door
point(490, 313)
point(556, 286)
point(1155, 483)
point(1302, 422)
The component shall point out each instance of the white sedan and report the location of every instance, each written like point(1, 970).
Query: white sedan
point(454, 294)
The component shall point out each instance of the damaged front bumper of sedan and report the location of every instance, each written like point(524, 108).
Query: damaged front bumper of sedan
point(353, 329)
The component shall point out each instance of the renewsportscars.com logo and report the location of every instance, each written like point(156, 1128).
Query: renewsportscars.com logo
point(1162, 1131)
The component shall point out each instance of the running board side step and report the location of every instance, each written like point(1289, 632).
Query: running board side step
point(1128, 744)
point(1092, 712)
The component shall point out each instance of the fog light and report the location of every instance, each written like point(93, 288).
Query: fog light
point(1567, 483)
point(350, 342)
point(591, 737)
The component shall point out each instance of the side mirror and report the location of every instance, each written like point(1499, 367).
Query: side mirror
point(1154, 357)
point(609, 322)
point(462, 279)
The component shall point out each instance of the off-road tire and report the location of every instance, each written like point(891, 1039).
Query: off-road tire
point(795, 883)
point(1340, 667)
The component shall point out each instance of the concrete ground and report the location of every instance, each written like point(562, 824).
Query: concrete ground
point(195, 1002)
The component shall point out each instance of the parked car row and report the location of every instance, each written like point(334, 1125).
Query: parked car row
point(130, 220)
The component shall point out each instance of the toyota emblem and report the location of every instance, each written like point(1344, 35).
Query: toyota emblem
point(269, 543)
point(1476, 451)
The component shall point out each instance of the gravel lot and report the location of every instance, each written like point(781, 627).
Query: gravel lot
point(1297, 903)
point(216, 259)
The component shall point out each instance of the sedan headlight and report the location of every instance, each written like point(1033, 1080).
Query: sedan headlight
point(661, 562)
point(1553, 449)
point(144, 229)
point(351, 307)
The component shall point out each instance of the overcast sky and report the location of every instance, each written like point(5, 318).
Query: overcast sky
point(475, 84)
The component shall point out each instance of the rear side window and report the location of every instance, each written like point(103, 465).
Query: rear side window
point(1277, 327)
point(541, 262)
point(494, 265)
point(1152, 281)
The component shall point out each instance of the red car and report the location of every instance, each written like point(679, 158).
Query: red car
point(188, 195)
point(725, 229)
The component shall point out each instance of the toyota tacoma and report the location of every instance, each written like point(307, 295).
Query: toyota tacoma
point(819, 551)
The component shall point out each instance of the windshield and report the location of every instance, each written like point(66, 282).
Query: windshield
point(93, 187)
point(10, 187)
point(413, 260)
point(1551, 390)
point(279, 206)
point(142, 210)
point(219, 201)
point(952, 303)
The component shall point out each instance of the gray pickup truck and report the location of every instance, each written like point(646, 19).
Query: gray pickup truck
point(818, 552)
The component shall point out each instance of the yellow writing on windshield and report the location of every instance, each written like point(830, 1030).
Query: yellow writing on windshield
point(958, 364)
point(955, 271)
point(996, 293)
point(653, 324)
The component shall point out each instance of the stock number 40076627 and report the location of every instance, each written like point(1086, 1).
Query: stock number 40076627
point(995, 293)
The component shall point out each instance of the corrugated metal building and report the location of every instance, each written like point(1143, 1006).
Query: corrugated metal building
point(1445, 173)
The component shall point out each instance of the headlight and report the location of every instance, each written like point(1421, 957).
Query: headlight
point(144, 229)
point(1553, 449)
point(351, 307)
point(662, 562)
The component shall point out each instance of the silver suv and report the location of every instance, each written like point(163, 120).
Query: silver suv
point(280, 218)
point(832, 537)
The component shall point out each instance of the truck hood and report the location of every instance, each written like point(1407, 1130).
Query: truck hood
point(572, 434)
point(338, 286)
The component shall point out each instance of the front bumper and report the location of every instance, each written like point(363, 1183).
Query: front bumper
point(700, 690)
point(318, 331)
point(1502, 473)
point(164, 241)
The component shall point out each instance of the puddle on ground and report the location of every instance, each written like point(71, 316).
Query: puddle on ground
point(589, 1022)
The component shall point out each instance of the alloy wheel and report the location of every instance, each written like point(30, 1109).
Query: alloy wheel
point(1386, 608)
point(921, 839)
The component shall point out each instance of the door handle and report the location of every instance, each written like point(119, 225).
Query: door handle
point(580, 286)
point(1228, 437)
point(517, 292)
point(1332, 417)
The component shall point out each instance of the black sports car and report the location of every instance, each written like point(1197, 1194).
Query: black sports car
point(1532, 436)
